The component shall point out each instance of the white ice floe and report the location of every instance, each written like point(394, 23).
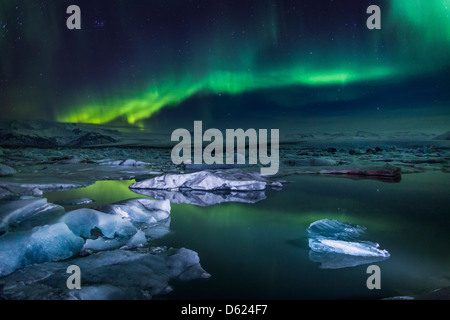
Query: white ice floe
point(206, 181)
point(337, 244)
point(141, 210)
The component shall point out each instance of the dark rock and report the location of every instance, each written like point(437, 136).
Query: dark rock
point(90, 139)
point(332, 150)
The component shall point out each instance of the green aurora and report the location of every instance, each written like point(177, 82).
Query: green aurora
point(275, 48)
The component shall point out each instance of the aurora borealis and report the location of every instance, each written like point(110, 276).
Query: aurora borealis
point(140, 62)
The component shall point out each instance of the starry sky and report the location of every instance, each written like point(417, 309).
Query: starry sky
point(297, 65)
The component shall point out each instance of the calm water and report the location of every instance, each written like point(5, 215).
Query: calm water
point(260, 251)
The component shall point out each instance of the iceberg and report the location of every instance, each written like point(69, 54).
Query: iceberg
point(361, 249)
point(83, 221)
point(337, 245)
point(28, 213)
point(125, 163)
point(329, 228)
point(141, 210)
point(28, 237)
point(203, 198)
point(338, 261)
point(102, 244)
point(42, 244)
point(75, 202)
point(137, 241)
point(206, 181)
point(150, 216)
point(158, 230)
point(119, 274)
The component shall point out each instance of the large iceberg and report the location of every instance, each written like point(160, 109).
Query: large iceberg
point(207, 181)
point(108, 275)
point(361, 249)
point(150, 216)
point(337, 245)
point(203, 198)
point(141, 210)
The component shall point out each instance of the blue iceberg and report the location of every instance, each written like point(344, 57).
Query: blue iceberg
point(337, 244)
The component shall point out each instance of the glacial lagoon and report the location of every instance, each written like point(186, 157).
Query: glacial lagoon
point(260, 250)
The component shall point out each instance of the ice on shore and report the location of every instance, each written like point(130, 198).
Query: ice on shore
point(334, 229)
point(83, 221)
point(48, 243)
point(27, 214)
point(34, 231)
point(119, 274)
point(141, 210)
point(337, 245)
point(206, 181)
point(139, 240)
point(102, 244)
point(203, 198)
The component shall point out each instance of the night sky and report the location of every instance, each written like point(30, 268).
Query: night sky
point(300, 66)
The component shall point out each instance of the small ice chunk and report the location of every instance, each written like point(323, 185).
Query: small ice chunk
point(335, 229)
point(75, 202)
point(28, 213)
point(101, 244)
point(138, 240)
